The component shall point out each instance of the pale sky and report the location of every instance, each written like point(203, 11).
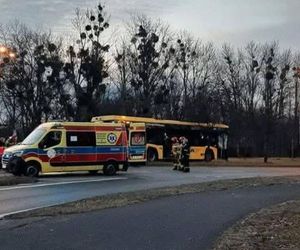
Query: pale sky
point(233, 21)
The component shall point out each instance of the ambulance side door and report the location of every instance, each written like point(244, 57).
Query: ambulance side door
point(51, 149)
point(81, 148)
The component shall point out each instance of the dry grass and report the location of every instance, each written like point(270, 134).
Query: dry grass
point(123, 199)
point(242, 162)
point(9, 179)
point(277, 227)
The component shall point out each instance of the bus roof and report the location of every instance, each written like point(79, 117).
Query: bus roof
point(119, 118)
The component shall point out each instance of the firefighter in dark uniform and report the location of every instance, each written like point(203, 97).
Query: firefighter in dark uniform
point(185, 155)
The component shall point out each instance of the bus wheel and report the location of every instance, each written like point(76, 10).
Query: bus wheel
point(93, 172)
point(32, 170)
point(208, 155)
point(152, 155)
point(110, 168)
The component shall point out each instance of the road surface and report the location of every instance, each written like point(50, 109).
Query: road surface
point(191, 221)
point(58, 189)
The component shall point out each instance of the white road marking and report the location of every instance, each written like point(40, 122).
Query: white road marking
point(26, 210)
point(62, 183)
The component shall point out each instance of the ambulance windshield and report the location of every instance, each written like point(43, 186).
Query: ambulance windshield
point(34, 136)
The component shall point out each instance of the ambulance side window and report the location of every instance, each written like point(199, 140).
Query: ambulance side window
point(81, 139)
point(52, 139)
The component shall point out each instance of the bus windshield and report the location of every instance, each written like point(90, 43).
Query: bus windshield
point(34, 136)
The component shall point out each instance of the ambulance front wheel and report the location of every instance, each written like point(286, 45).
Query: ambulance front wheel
point(110, 168)
point(32, 169)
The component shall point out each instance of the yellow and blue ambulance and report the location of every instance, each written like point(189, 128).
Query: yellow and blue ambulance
point(77, 146)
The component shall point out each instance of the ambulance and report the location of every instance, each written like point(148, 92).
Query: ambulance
point(77, 146)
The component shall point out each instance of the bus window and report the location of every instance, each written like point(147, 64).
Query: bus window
point(155, 136)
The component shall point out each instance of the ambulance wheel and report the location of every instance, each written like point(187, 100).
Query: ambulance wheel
point(32, 169)
point(93, 172)
point(110, 168)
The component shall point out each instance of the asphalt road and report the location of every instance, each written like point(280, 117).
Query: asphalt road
point(57, 189)
point(191, 221)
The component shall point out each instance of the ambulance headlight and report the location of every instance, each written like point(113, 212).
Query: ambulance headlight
point(18, 153)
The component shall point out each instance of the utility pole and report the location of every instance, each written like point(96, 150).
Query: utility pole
point(296, 134)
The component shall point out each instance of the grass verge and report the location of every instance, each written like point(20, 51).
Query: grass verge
point(277, 227)
point(9, 180)
point(240, 162)
point(123, 199)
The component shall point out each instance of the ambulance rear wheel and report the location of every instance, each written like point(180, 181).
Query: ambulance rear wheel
point(110, 168)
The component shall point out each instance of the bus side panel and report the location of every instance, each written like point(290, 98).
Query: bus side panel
point(198, 153)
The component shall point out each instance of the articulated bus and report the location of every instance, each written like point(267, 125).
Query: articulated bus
point(208, 141)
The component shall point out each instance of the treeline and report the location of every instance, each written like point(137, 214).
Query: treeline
point(155, 72)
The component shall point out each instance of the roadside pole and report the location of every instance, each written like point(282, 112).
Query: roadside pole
point(296, 134)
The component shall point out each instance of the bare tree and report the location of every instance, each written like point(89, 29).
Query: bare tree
point(29, 84)
point(87, 65)
point(150, 55)
point(196, 65)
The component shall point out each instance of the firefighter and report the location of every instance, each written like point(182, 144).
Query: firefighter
point(185, 155)
point(176, 149)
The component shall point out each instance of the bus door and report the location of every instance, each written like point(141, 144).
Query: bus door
point(137, 143)
point(167, 144)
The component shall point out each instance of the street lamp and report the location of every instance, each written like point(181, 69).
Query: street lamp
point(3, 50)
point(12, 55)
point(6, 56)
point(6, 52)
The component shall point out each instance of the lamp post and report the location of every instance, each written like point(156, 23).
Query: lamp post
point(6, 55)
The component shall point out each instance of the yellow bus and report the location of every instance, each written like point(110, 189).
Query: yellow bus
point(208, 141)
